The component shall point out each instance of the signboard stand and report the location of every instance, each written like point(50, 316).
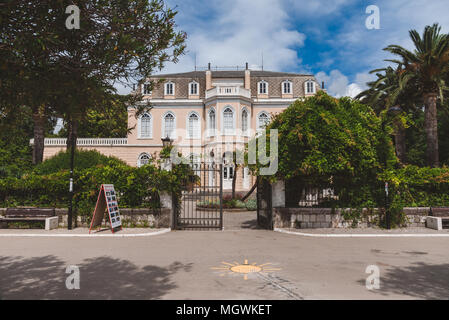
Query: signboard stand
point(107, 202)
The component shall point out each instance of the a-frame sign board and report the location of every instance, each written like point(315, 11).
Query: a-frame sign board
point(107, 202)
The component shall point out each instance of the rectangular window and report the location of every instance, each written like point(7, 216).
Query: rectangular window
point(169, 89)
point(262, 87)
point(194, 88)
point(146, 88)
point(287, 88)
point(310, 87)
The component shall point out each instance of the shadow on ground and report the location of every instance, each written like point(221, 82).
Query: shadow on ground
point(420, 280)
point(100, 278)
point(240, 220)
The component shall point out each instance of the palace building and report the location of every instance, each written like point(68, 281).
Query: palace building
point(204, 113)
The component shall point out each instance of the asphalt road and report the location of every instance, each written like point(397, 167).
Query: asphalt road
point(197, 265)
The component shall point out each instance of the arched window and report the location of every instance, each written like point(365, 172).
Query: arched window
point(228, 119)
point(169, 125)
point(193, 88)
point(262, 120)
point(309, 87)
point(193, 126)
point(262, 87)
point(169, 88)
point(244, 121)
point(143, 159)
point(145, 126)
point(287, 87)
point(211, 122)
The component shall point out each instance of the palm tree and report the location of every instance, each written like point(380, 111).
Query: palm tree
point(425, 69)
point(385, 93)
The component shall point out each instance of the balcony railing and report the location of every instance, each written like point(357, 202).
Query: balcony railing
point(228, 91)
point(85, 141)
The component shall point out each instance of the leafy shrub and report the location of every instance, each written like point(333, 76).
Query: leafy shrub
point(136, 187)
point(83, 160)
point(251, 204)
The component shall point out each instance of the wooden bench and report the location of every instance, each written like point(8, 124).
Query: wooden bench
point(438, 218)
point(47, 215)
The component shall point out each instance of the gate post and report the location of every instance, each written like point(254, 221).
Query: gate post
point(278, 194)
point(277, 201)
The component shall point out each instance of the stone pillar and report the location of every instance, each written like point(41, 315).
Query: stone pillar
point(278, 194)
point(166, 200)
point(168, 208)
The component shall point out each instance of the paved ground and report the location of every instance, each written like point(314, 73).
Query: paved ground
point(80, 231)
point(342, 231)
point(196, 265)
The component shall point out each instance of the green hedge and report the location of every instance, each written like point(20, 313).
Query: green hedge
point(421, 186)
point(136, 187)
point(83, 160)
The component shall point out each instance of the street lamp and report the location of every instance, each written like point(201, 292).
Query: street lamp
point(166, 142)
point(390, 112)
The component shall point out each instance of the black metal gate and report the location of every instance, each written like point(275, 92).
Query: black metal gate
point(201, 204)
point(264, 205)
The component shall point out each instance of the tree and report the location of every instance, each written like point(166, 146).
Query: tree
point(426, 68)
point(16, 130)
point(118, 41)
point(107, 120)
point(384, 93)
point(328, 143)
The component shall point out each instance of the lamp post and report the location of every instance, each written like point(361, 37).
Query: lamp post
point(391, 111)
point(166, 142)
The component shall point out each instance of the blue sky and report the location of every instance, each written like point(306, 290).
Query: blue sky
point(325, 37)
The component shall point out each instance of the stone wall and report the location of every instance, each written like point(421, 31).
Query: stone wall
point(307, 218)
point(131, 218)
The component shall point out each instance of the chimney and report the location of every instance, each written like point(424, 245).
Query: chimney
point(208, 77)
point(322, 85)
point(247, 78)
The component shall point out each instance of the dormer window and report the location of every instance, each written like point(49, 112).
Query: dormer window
point(310, 87)
point(146, 88)
point(262, 87)
point(193, 88)
point(287, 87)
point(169, 89)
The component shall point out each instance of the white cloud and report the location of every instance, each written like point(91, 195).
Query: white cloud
point(337, 84)
point(241, 32)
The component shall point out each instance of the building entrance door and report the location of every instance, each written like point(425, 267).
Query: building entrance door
point(228, 174)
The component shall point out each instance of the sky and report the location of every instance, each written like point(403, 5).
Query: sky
point(327, 38)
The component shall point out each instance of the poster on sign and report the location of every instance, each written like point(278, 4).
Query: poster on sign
point(107, 203)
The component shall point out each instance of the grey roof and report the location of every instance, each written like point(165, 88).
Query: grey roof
point(230, 74)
